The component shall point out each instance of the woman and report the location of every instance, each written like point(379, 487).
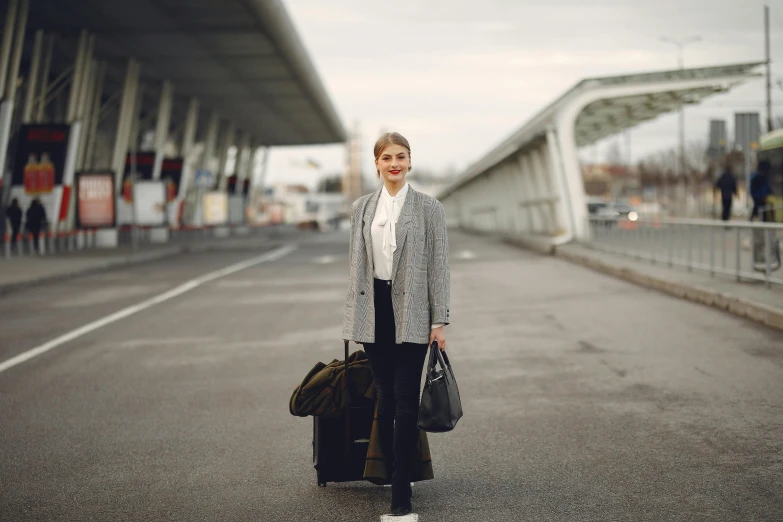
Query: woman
point(398, 300)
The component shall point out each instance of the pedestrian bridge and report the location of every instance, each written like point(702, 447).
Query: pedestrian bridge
point(530, 186)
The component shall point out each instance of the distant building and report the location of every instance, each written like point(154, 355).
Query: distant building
point(296, 205)
point(610, 181)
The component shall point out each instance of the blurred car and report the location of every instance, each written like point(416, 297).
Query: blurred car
point(613, 211)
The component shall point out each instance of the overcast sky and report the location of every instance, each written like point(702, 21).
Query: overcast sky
point(458, 76)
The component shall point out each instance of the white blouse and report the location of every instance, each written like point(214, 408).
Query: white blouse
point(384, 233)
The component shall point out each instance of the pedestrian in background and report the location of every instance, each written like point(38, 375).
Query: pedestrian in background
point(14, 215)
point(727, 184)
point(35, 220)
point(398, 300)
point(760, 189)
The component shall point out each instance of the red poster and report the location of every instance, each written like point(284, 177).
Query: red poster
point(95, 200)
point(66, 201)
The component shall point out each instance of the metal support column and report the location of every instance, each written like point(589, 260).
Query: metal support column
point(162, 123)
point(162, 127)
point(137, 124)
point(80, 87)
point(16, 55)
point(240, 166)
point(226, 143)
point(247, 168)
point(8, 39)
point(88, 105)
point(86, 82)
point(91, 121)
point(210, 142)
point(558, 181)
point(260, 180)
point(40, 110)
point(32, 78)
point(188, 140)
point(10, 55)
point(109, 238)
point(78, 76)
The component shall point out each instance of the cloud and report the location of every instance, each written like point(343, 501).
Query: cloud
point(458, 77)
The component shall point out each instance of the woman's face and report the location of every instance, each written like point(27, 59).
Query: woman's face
point(393, 163)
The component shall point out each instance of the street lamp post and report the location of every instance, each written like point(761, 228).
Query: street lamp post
point(680, 44)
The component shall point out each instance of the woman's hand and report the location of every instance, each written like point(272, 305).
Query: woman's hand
point(437, 335)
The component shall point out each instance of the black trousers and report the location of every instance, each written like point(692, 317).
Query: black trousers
point(726, 214)
point(765, 215)
point(396, 370)
point(15, 232)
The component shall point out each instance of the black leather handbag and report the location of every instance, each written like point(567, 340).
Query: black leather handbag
point(440, 406)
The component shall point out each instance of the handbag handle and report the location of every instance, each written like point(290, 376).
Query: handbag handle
point(440, 355)
point(436, 355)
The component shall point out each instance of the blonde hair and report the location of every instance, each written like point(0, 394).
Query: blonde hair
point(390, 138)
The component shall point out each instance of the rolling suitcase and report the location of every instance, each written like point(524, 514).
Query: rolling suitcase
point(340, 443)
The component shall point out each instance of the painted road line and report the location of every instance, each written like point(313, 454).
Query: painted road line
point(126, 312)
point(412, 517)
point(466, 254)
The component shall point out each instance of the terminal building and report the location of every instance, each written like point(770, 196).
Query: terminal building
point(107, 102)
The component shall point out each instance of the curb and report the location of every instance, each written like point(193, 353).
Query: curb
point(738, 306)
point(7, 288)
point(135, 259)
point(542, 246)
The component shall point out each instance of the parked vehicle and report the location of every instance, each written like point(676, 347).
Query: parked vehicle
point(612, 209)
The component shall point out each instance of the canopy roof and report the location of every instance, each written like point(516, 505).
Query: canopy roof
point(655, 93)
point(240, 57)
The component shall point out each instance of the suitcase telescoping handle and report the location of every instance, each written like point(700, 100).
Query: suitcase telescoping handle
point(347, 411)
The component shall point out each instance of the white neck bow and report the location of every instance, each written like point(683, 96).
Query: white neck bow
point(386, 219)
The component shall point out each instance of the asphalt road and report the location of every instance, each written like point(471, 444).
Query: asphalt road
point(585, 398)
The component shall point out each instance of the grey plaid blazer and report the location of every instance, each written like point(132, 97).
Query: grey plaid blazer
point(420, 270)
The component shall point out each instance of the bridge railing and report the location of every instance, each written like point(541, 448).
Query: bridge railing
point(743, 250)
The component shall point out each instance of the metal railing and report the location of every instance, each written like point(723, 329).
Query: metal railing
point(49, 243)
point(744, 250)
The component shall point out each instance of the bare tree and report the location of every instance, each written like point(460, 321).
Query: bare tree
point(614, 155)
point(696, 161)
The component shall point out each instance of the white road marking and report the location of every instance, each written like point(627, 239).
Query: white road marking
point(173, 341)
point(466, 254)
point(126, 312)
point(413, 517)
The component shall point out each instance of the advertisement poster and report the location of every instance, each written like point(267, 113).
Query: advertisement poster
point(39, 165)
point(149, 198)
point(95, 200)
point(145, 163)
point(236, 209)
point(171, 175)
point(215, 208)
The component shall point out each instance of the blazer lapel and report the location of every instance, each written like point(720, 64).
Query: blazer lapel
point(403, 225)
point(367, 217)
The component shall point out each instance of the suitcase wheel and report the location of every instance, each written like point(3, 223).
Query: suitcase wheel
point(321, 483)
